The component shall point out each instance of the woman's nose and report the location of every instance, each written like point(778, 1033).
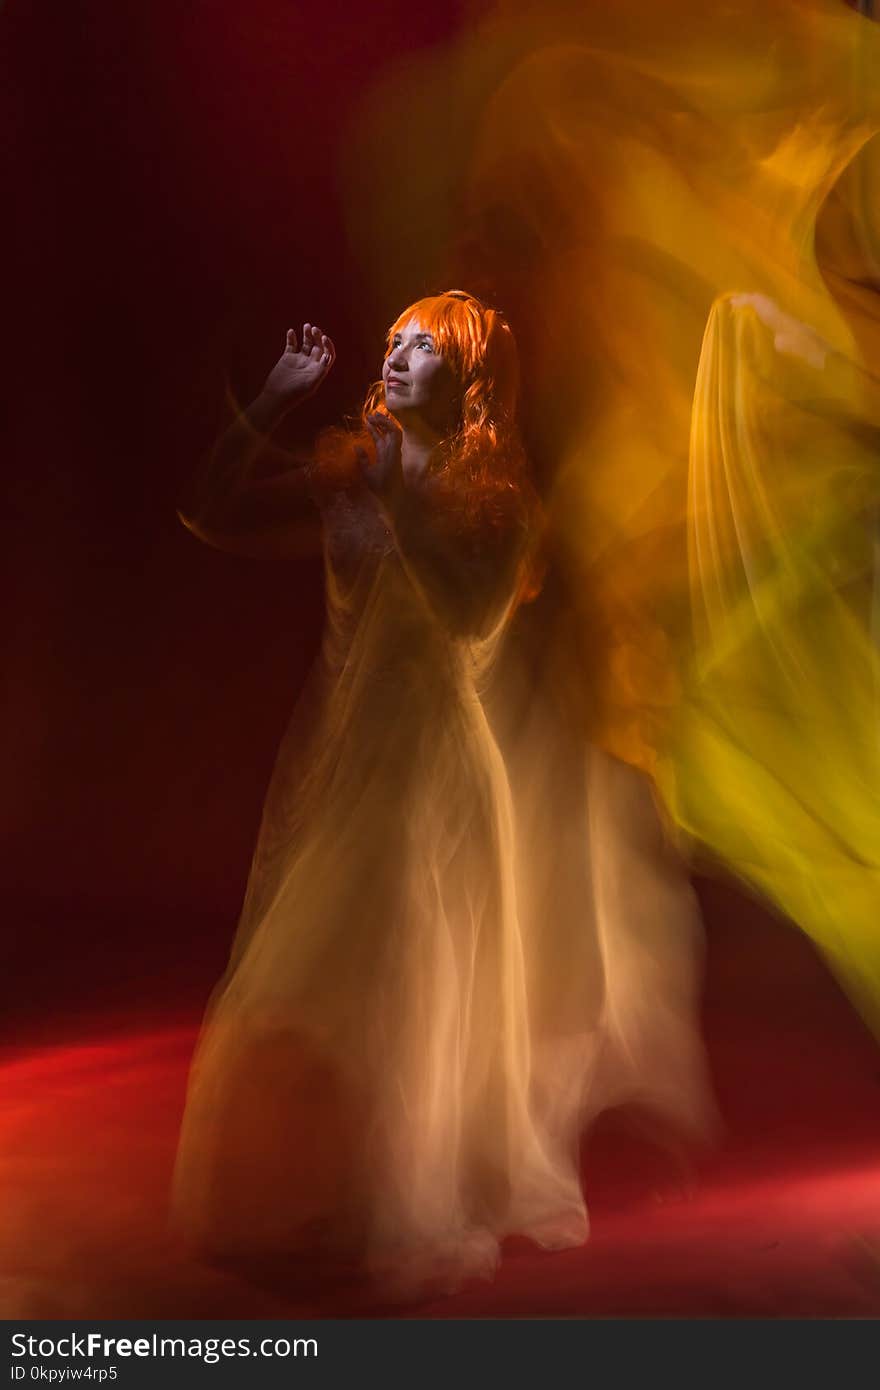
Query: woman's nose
point(397, 360)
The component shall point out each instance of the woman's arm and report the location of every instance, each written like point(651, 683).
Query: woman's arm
point(224, 505)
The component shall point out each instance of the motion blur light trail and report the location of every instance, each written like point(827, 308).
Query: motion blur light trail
point(776, 758)
point(678, 205)
point(784, 1221)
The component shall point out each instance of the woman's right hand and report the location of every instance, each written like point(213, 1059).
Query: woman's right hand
point(384, 471)
point(300, 370)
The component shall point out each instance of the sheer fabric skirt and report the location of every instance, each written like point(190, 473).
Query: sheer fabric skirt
point(453, 953)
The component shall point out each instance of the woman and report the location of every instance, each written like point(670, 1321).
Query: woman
point(463, 934)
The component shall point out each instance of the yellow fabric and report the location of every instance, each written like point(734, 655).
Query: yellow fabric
point(678, 202)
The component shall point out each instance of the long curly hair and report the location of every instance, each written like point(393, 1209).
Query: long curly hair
point(481, 467)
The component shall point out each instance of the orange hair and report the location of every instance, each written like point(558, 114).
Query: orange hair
point(483, 461)
point(481, 467)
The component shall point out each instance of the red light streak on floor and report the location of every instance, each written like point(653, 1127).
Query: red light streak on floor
point(784, 1220)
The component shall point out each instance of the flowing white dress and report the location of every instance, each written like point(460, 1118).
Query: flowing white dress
point(463, 936)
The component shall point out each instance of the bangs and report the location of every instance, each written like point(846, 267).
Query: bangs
point(454, 324)
point(482, 462)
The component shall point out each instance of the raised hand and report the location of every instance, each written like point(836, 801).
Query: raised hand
point(791, 338)
point(300, 370)
point(384, 471)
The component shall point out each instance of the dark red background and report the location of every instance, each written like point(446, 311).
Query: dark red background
point(173, 204)
point(172, 207)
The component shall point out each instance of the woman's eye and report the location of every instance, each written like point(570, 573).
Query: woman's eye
point(422, 344)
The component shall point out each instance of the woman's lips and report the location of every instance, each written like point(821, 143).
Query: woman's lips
point(392, 385)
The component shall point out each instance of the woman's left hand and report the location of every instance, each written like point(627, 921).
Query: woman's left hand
point(384, 472)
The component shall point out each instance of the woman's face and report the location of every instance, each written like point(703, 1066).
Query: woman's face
point(419, 382)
